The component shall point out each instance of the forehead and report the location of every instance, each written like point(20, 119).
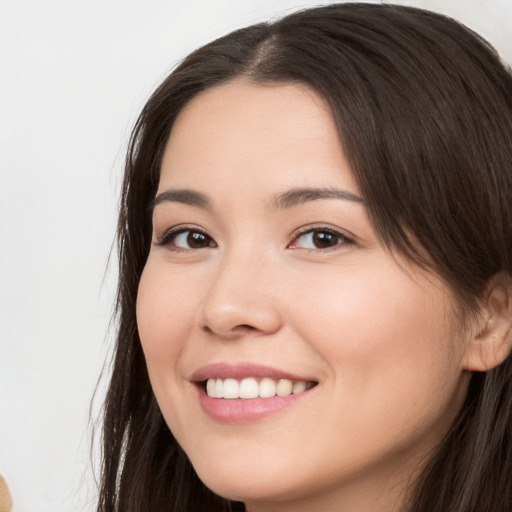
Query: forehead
point(282, 133)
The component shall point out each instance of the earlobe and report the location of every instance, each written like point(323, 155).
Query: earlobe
point(492, 342)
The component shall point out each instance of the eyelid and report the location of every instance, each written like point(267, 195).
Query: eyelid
point(348, 239)
point(171, 233)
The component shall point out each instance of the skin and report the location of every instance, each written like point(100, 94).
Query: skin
point(378, 334)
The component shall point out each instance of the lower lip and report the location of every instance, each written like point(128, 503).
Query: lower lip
point(245, 410)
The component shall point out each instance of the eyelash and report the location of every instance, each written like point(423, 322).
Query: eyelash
point(169, 236)
point(342, 237)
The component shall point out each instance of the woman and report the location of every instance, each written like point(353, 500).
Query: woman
point(316, 258)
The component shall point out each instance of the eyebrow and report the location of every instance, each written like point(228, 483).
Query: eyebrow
point(297, 196)
point(288, 199)
point(184, 196)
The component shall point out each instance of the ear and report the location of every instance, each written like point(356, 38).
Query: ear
point(491, 342)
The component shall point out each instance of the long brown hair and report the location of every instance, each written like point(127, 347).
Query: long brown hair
point(424, 112)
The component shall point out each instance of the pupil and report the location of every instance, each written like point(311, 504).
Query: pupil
point(321, 239)
point(197, 240)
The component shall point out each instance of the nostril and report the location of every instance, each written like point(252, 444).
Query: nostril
point(246, 327)
point(237, 329)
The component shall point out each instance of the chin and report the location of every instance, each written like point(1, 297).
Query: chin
point(247, 484)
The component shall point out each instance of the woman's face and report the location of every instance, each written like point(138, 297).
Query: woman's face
point(266, 276)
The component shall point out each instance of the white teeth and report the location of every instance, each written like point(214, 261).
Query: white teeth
point(284, 387)
point(267, 388)
point(251, 388)
point(210, 387)
point(299, 387)
point(230, 389)
point(219, 388)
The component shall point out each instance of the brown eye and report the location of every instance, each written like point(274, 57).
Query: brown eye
point(324, 239)
point(186, 239)
point(197, 240)
point(320, 239)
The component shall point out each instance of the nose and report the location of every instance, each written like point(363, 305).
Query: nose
point(241, 299)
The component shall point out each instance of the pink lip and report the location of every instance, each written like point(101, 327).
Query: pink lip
point(241, 371)
point(240, 411)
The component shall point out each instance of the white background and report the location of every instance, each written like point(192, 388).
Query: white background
point(73, 76)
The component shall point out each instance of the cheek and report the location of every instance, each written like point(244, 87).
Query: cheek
point(380, 330)
point(163, 320)
point(393, 362)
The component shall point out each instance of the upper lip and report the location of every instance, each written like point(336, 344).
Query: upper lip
point(242, 371)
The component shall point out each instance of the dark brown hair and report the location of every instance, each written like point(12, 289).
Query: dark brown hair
point(424, 112)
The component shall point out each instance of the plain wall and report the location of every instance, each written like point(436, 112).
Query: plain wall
point(73, 76)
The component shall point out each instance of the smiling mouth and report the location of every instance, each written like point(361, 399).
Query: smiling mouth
point(251, 387)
